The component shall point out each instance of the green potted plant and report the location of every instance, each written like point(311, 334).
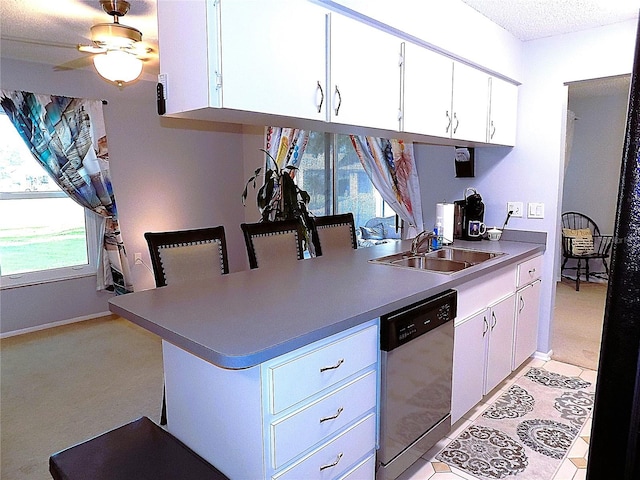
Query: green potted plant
point(279, 197)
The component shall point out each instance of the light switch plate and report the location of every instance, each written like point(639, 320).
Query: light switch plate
point(536, 210)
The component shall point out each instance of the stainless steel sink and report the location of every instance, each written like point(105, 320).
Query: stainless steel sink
point(445, 260)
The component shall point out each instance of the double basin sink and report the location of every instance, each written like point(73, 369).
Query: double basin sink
point(444, 260)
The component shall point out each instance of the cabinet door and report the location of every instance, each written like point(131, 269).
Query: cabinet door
point(365, 75)
point(274, 57)
point(470, 103)
point(503, 112)
point(500, 345)
point(526, 329)
point(468, 364)
point(427, 92)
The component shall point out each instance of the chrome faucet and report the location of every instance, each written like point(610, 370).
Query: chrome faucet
point(419, 240)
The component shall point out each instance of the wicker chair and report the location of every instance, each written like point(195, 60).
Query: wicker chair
point(582, 241)
point(333, 232)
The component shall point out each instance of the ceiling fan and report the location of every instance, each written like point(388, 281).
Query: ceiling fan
point(118, 49)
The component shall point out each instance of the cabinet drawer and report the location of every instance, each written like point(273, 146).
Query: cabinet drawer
point(365, 469)
point(475, 295)
point(529, 270)
point(338, 456)
point(300, 377)
point(306, 427)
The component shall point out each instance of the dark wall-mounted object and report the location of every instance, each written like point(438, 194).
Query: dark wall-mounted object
point(465, 162)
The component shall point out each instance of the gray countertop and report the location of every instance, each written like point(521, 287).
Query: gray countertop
point(245, 318)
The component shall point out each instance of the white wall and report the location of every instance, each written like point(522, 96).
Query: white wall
point(593, 173)
point(167, 174)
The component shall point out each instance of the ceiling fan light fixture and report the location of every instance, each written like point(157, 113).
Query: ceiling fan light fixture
point(118, 66)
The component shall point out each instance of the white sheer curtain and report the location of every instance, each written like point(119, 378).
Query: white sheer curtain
point(391, 167)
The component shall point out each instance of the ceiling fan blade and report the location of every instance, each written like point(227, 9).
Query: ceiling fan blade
point(91, 49)
point(75, 64)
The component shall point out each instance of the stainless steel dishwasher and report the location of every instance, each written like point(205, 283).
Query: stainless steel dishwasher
point(416, 345)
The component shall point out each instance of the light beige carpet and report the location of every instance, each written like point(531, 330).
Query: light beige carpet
point(61, 386)
point(577, 323)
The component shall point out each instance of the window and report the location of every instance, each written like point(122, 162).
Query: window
point(43, 233)
point(331, 172)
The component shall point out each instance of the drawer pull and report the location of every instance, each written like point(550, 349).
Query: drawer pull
point(340, 362)
point(532, 271)
point(329, 465)
point(332, 417)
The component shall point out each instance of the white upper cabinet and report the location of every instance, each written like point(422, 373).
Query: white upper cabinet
point(428, 83)
point(503, 111)
point(442, 97)
point(469, 103)
point(365, 75)
point(273, 57)
point(264, 56)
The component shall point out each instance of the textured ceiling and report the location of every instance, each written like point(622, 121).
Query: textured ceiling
point(534, 19)
point(47, 31)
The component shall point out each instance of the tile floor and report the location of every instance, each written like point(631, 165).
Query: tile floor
point(574, 467)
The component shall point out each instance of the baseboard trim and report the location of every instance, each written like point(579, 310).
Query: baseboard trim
point(46, 326)
point(543, 356)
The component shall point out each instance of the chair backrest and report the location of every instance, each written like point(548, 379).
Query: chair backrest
point(187, 255)
point(273, 242)
point(578, 221)
point(333, 233)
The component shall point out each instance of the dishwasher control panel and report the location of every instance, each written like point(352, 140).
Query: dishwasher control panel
point(402, 326)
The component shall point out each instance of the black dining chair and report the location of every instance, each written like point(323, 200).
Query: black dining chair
point(181, 256)
point(331, 233)
point(582, 241)
point(270, 243)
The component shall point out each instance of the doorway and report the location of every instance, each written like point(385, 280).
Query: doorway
point(595, 136)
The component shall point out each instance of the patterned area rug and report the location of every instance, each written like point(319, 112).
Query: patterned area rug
point(527, 432)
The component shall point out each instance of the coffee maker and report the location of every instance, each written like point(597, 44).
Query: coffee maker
point(469, 216)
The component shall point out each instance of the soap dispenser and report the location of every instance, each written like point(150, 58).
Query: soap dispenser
point(437, 231)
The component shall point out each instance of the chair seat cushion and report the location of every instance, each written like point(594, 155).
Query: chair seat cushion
point(581, 240)
point(139, 450)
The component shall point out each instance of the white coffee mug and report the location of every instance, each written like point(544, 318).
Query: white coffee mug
point(494, 234)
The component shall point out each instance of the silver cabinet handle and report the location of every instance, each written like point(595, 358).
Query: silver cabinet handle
point(329, 465)
point(455, 116)
point(339, 100)
point(446, 130)
point(333, 367)
point(495, 320)
point(486, 326)
point(321, 97)
point(521, 304)
point(332, 417)
point(532, 271)
point(493, 130)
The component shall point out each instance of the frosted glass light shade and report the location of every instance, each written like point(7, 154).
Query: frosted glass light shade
point(118, 66)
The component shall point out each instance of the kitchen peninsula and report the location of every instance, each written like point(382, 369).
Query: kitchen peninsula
point(236, 353)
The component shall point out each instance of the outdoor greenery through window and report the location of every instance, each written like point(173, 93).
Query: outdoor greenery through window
point(43, 233)
point(332, 174)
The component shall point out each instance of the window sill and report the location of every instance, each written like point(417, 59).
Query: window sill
point(29, 280)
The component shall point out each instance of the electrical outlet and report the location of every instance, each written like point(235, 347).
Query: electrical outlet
point(516, 208)
point(137, 259)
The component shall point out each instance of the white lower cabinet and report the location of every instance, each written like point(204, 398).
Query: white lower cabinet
point(526, 329)
point(496, 331)
point(307, 414)
point(499, 338)
point(468, 364)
